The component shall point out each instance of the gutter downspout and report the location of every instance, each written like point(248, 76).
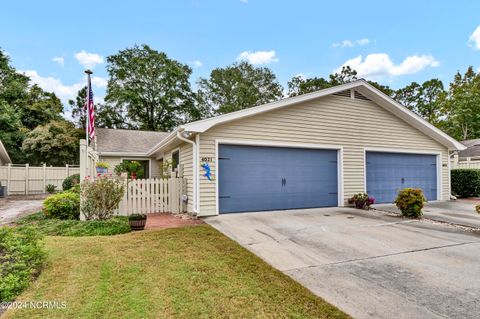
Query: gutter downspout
point(194, 171)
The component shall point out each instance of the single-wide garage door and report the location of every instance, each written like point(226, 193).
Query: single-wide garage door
point(388, 173)
point(257, 178)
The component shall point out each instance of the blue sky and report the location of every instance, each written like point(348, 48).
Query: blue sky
point(394, 43)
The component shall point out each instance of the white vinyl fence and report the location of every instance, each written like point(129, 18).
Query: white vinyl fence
point(466, 162)
point(153, 195)
point(23, 179)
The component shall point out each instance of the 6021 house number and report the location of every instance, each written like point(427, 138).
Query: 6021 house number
point(207, 159)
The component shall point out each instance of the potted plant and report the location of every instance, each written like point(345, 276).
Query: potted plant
point(133, 169)
point(137, 221)
point(362, 201)
point(101, 167)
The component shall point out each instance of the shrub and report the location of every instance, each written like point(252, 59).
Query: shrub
point(75, 228)
point(50, 188)
point(65, 205)
point(362, 200)
point(101, 197)
point(21, 257)
point(410, 202)
point(465, 182)
point(477, 209)
point(70, 181)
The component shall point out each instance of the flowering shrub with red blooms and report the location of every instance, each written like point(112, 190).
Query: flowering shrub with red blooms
point(362, 201)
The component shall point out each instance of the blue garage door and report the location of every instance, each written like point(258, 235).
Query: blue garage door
point(387, 173)
point(254, 178)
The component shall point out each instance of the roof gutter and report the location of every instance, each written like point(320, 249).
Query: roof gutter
point(194, 169)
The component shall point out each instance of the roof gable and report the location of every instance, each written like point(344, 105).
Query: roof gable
point(366, 91)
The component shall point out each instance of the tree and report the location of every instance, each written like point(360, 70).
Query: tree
point(56, 143)
point(154, 89)
point(462, 106)
point(299, 85)
point(12, 131)
point(425, 99)
point(236, 87)
point(106, 115)
point(40, 108)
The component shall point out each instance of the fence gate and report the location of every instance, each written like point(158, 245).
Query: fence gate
point(153, 195)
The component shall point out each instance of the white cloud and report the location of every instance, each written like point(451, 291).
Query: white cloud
point(51, 84)
point(474, 40)
point(380, 65)
point(99, 82)
point(258, 57)
point(196, 64)
point(351, 43)
point(244, 1)
point(59, 59)
point(64, 92)
point(363, 41)
point(88, 60)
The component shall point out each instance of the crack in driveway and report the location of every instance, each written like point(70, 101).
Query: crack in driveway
point(385, 255)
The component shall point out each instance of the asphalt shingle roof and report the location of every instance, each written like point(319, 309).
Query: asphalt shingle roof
point(128, 141)
point(473, 148)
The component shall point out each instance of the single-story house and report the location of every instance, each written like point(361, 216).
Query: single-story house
point(312, 150)
point(4, 157)
point(115, 146)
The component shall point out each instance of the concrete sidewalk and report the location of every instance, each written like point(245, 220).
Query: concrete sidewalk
point(460, 212)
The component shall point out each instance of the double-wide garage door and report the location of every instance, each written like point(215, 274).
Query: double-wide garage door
point(257, 178)
point(388, 173)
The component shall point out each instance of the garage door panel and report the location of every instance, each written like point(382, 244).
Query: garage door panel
point(388, 173)
point(254, 178)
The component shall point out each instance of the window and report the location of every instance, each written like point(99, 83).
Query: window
point(145, 168)
point(175, 159)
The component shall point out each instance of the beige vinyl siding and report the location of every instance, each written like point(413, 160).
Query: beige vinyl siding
point(334, 120)
point(186, 159)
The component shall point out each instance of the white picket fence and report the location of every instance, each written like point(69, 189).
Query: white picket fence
point(153, 195)
point(23, 179)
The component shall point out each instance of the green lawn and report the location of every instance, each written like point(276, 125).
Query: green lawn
point(189, 272)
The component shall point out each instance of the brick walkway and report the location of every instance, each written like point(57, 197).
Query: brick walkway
point(162, 220)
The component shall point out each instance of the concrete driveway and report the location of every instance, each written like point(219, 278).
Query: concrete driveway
point(459, 212)
point(368, 263)
point(12, 209)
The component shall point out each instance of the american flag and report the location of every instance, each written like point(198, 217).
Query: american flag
point(90, 107)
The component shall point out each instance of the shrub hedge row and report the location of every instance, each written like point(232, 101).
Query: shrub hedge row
point(466, 182)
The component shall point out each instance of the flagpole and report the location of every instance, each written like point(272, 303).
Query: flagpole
point(87, 115)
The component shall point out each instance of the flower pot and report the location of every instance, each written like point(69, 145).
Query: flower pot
point(101, 170)
point(137, 224)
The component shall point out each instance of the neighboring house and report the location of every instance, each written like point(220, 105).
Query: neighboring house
point(472, 150)
point(313, 150)
point(115, 146)
point(4, 157)
point(468, 158)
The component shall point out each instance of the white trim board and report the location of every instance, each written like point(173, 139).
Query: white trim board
point(438, 155)
point(339, 148)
